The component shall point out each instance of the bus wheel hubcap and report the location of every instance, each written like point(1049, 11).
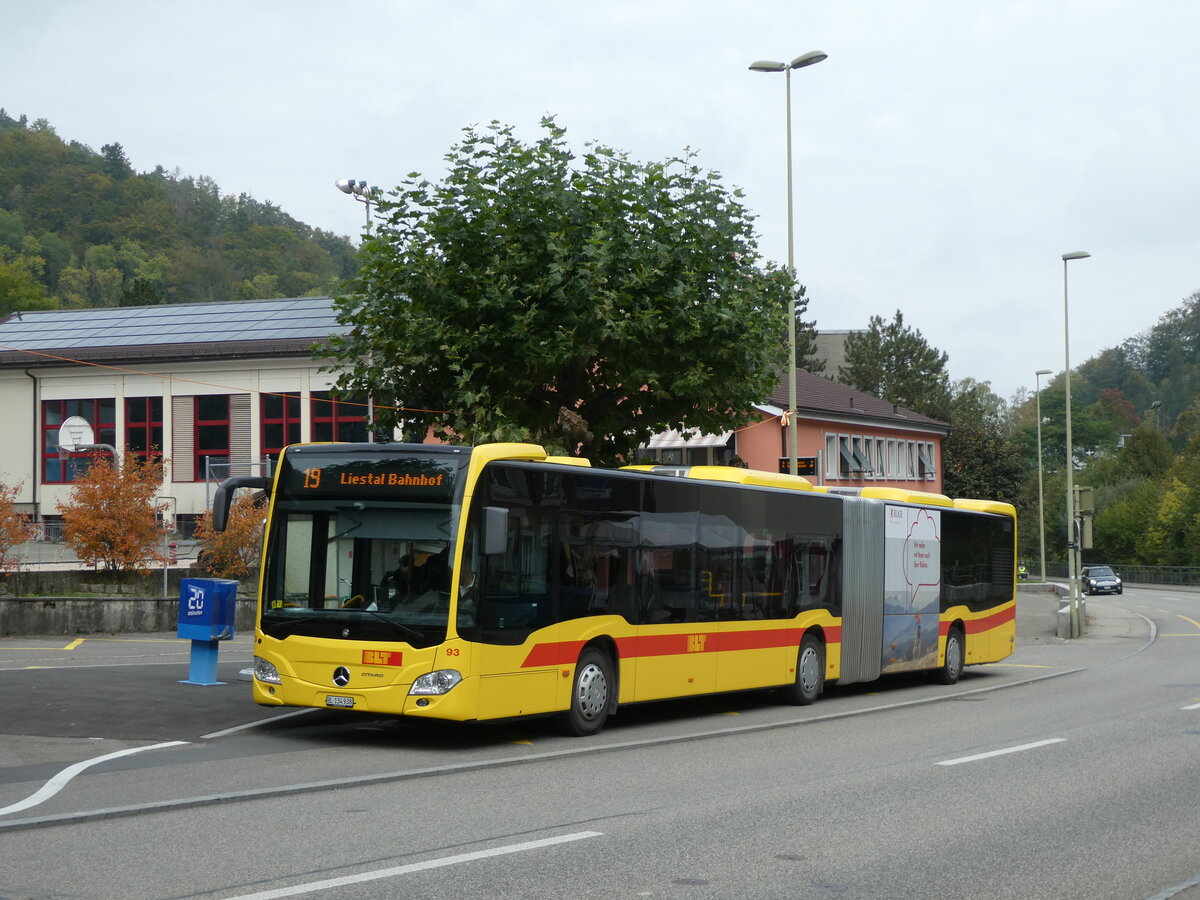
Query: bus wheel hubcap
point(592, 692)
point(808, 670)
point(954, 656)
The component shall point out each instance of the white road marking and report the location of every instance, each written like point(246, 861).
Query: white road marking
point(378, 874)
point(255, 724)
point(1193, 706)
point(991, 753)
point(59, 781)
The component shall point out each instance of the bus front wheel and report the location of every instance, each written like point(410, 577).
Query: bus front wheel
point(810, 673)
point(590, 694)
point(955, 653)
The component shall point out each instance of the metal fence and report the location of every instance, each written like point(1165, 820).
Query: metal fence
point(217, 470)
point(1174, 575)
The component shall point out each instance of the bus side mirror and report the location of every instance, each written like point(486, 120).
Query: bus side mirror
point(495, 530)
point(224, 496)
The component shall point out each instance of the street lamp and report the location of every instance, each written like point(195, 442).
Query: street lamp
point(359, 191)
point(766, 65)
point(1072, 541)
point(1041, 515)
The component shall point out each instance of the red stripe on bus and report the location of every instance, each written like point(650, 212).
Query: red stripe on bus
point(559, 653)
point(562, 653)
point(976, 626)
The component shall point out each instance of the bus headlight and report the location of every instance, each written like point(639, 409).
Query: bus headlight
point(266, 672)
point(434, 683)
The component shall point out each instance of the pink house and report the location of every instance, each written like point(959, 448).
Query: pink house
point(846, 438)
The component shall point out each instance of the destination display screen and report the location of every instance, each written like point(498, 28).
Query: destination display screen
point(310, 474)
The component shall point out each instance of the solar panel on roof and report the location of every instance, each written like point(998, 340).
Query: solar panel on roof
point(288, 318)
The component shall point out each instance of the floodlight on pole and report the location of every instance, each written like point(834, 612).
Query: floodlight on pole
point(1041, 513)
point(766, 65)
point(1072, 534)
point(361, 192)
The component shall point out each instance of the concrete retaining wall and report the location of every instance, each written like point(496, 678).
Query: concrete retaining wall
point(34, 583)
point(100, 615)
point(89, 602)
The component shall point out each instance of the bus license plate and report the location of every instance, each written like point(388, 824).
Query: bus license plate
point(343, 702)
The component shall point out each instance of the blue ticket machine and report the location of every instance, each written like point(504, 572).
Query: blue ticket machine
point(206, 617)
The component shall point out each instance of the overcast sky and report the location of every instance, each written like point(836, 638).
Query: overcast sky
point(946, 154)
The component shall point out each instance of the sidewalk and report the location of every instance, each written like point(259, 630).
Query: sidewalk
point(1111, 631)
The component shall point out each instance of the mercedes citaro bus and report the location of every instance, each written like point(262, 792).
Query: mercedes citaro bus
point(489, 582)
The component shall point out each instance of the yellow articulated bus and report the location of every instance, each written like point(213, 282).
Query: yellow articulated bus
point(477, 583)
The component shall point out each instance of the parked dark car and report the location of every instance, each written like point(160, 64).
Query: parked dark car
point(1100, 580)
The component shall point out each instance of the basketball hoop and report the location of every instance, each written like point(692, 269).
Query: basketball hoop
point(74, 433)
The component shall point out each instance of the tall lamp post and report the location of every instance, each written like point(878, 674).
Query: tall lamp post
point(359, 191)
point(1041, 514)
point(766, 65)
point(1072, 538)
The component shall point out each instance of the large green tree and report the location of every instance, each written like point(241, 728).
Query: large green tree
point(581, 302)
point(896, 363)
point(979, 458)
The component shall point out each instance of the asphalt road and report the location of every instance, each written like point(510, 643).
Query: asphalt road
point(1066, 772)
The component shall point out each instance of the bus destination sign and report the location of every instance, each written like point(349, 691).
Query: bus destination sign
point(330, 475)
point(314, 474)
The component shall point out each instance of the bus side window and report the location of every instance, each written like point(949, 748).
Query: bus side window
point(515, 594)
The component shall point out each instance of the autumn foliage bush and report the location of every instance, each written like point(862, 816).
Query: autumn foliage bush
point(15, 528)
point(234, 552)
point(111, 517)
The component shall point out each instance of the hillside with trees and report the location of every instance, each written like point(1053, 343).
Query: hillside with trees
point(1135, 427)
point(1135, 431)
point(80, 228)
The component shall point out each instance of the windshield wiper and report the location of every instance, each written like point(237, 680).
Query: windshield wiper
point(286, 623)
point(411, 633)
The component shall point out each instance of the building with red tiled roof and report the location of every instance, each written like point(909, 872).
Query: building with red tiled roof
point(846, 438)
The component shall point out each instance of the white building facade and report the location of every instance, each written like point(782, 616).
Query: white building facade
point(214, 389)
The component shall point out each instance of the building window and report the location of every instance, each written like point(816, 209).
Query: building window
point(280, 421)
point(881, 464)
point(144, 426)
point(846, 463)
point(212, 436)
point(341, 419)
point(831, 456)
point(862, 457)
point(925, 461)
point(100, 414)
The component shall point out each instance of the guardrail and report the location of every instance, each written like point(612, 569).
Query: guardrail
point(1173, 575)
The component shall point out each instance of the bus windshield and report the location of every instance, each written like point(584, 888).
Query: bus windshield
point(361, 571)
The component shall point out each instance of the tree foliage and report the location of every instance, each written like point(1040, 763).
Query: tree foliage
point(80, 228)
point(15, 528)
point(581, 302)
point(979, 458)
point(896, 363)
point(111, 516)
point(234, 552)
point(1135, 422)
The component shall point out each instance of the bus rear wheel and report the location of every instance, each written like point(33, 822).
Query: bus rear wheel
point(591, 691)
point(810, 673)
point(952, 667)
